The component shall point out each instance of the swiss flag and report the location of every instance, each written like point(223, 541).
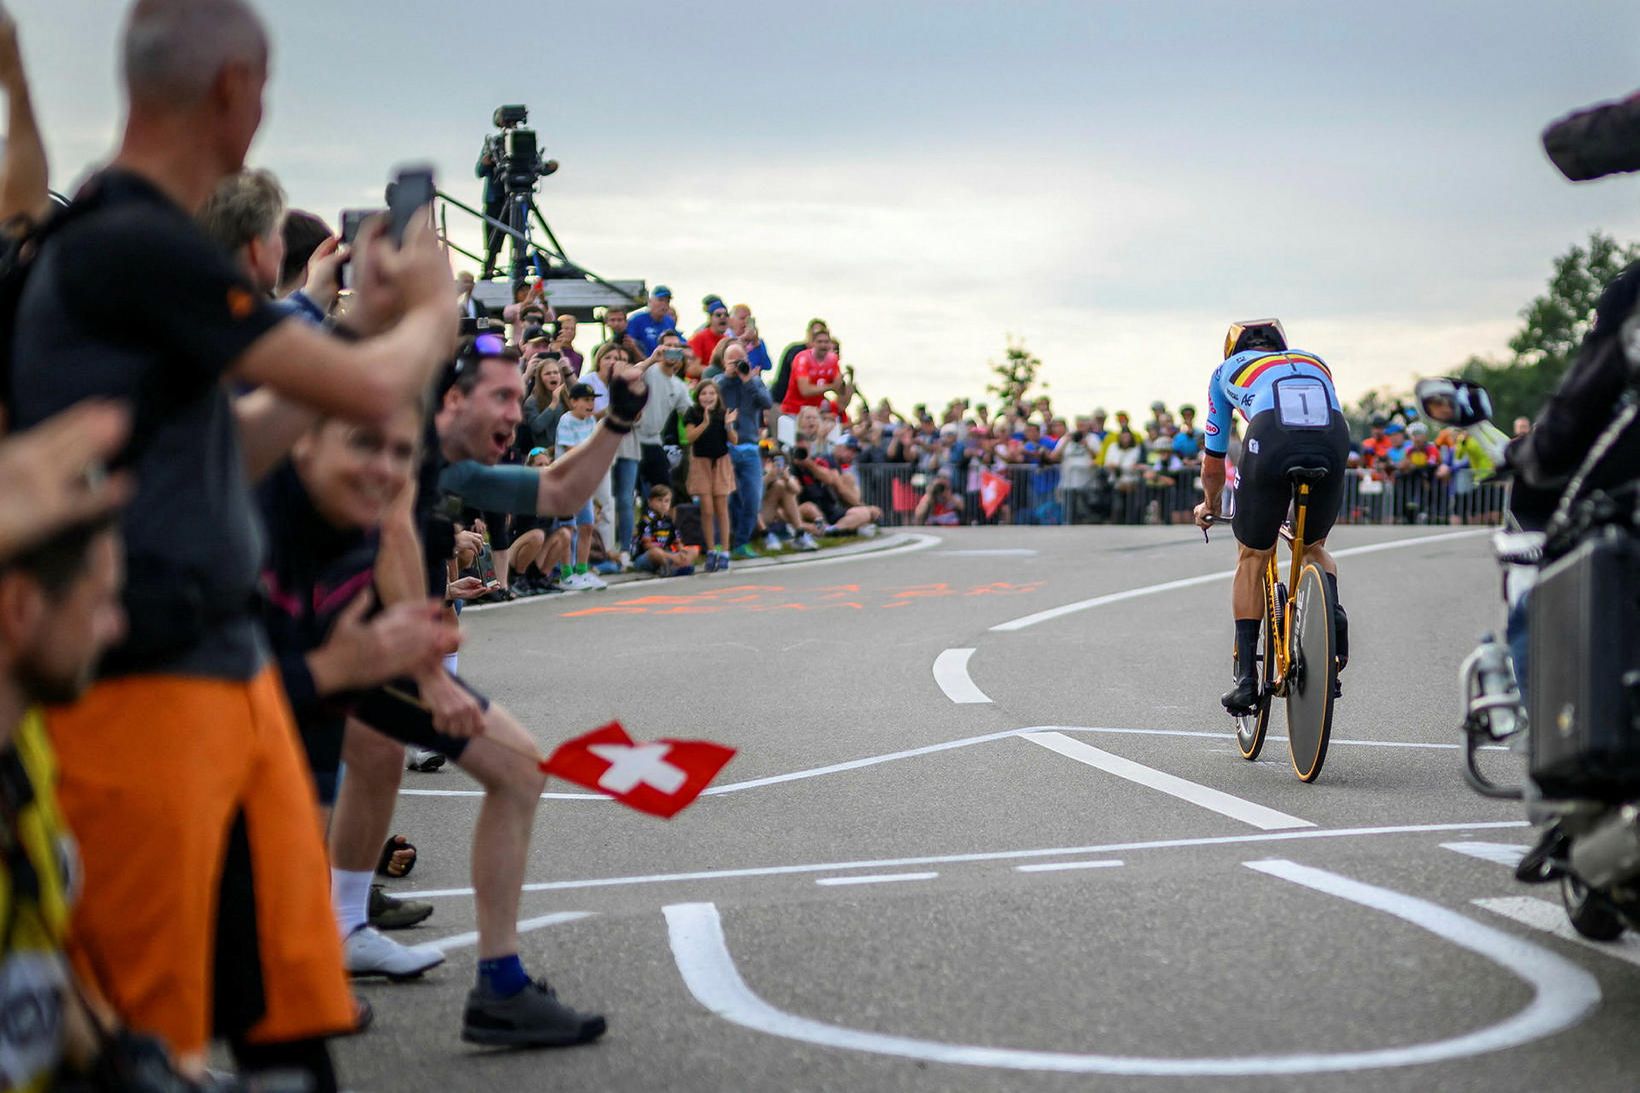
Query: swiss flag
point(993, 491)
point(905, 498)
point(660, 778)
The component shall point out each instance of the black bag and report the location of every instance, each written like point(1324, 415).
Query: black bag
point(686, 521)
point(1585, 670)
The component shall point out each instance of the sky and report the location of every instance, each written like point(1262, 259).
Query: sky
point(1112, 183)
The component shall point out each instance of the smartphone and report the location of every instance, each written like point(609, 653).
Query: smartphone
point(407, 195)
point(672, 354)
point(352, 220)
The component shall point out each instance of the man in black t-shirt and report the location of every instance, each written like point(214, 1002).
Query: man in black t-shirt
point(184, 745)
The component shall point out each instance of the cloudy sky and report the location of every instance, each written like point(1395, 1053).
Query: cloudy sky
point(1111, 182)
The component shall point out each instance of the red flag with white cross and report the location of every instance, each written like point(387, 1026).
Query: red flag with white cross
point(993, 491)
point(660, 778)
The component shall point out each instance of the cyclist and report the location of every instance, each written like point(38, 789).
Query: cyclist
point(1294, 419)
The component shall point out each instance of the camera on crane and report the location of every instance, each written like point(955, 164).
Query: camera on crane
point(515, 152)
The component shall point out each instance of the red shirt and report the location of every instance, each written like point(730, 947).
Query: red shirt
point(805, 367)
point(705, 343)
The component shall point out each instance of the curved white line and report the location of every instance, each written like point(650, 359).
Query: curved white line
point(951, 673)
point(1563, 995)
point(1208, 578)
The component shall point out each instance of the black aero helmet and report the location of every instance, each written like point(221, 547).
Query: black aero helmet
point(1254, 334)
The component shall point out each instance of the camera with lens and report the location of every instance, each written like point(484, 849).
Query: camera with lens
point(744, 368)
point(515, 151)
point(800, 454)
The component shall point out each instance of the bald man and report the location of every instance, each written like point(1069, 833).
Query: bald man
point(181, 774)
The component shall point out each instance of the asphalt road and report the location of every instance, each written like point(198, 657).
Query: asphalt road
point(1057, 897)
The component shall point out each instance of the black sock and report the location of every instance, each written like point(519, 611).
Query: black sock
point(1246, 648)
point(1332, 583)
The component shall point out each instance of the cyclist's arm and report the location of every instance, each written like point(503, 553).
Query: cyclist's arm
point(1213, 479)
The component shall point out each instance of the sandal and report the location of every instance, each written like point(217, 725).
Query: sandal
point(396, 844)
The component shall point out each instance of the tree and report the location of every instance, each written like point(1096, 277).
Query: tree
point(1015, 375)
point(1554, 326)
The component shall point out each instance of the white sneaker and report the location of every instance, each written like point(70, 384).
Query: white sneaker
point(422, 760)
point(626, 561)
point(806, 542)
point(593, 581)
point(867, 531)
point(579, 582)
point(368, 952)
point(772, 544)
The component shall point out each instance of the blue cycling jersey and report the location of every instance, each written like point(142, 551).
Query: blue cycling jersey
point(1294, 383)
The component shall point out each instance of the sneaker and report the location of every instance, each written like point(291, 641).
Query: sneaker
point(626, 561)
point(711, 561)
point(745, 552)
point(1242, 699)
point(593, 582)
point(772, 544)
point(723, 561)
point(683, 571)
point(575, 582)
point(367, 953)
point(531, 1018)
point(391, 913)
point(867, 531)
point(805, 542)
point(422, 760)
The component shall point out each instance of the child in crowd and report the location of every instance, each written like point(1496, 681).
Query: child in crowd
point(576, 427)
point(657, 547)
point(709, 431)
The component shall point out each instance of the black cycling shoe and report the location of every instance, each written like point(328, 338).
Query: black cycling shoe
point(391, 913)
point(531, 1018)
point(1242, 700)
point(1341, 630)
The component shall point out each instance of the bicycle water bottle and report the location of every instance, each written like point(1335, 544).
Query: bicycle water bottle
point(1495, 699)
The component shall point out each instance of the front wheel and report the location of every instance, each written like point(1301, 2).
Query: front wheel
point(1250, 728)
point(1315, 671)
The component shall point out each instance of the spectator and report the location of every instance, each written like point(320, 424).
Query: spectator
point(668, 399)
point(709, 430)
point(743, 328)
point(938, 506)
point(539, 548)
point(741, 386)
point(1124, 462)
point(780, 505)
point(564, 341)
point(1097, 432)
point(548, 383)
point(609, 518)
point(1522, 427)
point(1123, 424)
point(194, 72)
point(1189, 442)
point(658, 549)
point(526, 305)
point(59, 608)
point(304, 234)
point(705, 341)
point(824, 496)
point(646, 325)
point(575, 428)
point(615, 322)
point(783, 376)
point(467, 303)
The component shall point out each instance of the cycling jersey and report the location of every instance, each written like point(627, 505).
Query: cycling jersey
point(1296, 384)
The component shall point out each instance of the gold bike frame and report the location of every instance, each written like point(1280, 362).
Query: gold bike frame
point(1282, 626)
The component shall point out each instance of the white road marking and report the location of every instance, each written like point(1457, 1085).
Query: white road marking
point(948, 745)
point(1502, 853)
point(839, 555)
point(1011, 552)
point(456, 941)
point(1540, 914)
point(1563, 994)
point(951, 673)
point(984, 856)
point(1209, 578)
point(1057, 866)
point(874, 878)
point(1267, 819)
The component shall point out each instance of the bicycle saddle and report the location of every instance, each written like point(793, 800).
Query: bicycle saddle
point(1307, 474)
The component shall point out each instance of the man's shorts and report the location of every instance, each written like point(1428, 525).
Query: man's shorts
point(156, 771)
point(395, 710)
point(1263, 491)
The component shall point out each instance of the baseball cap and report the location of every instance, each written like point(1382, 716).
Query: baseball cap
point(711, 302)
point(661, 290)
point(582, 390)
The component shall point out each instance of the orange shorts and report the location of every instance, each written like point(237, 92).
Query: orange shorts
point(154, 771)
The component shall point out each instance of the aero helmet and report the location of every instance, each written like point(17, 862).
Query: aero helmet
point(1254, 334)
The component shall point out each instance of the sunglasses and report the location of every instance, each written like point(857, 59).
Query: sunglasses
point(485, 345)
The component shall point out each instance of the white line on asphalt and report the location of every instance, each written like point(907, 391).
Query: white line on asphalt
point(1208, 578)
point(1057, 866)
point(984, 856)
point(1502, 853)
point(1012, 552)
point(917, 541)
point(951, 673)
point(1563, 994)
point(874, 878)
point(1540, 914)
point(1266, 819)
point(873, 760)
point(456, 941)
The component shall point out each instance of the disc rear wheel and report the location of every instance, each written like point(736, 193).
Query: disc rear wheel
point(1315, 670)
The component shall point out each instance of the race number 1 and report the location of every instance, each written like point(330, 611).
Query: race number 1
point(1302, 403)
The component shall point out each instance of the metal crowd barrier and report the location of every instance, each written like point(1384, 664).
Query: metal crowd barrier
point(1055, 495)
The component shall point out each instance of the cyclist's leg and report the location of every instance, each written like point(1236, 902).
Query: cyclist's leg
point(1262, 496)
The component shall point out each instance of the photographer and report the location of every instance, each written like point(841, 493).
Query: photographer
point(744, 394)
point(938, 506)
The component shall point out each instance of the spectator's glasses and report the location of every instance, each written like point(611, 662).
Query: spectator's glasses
point(720, 314)
point(485, 345)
